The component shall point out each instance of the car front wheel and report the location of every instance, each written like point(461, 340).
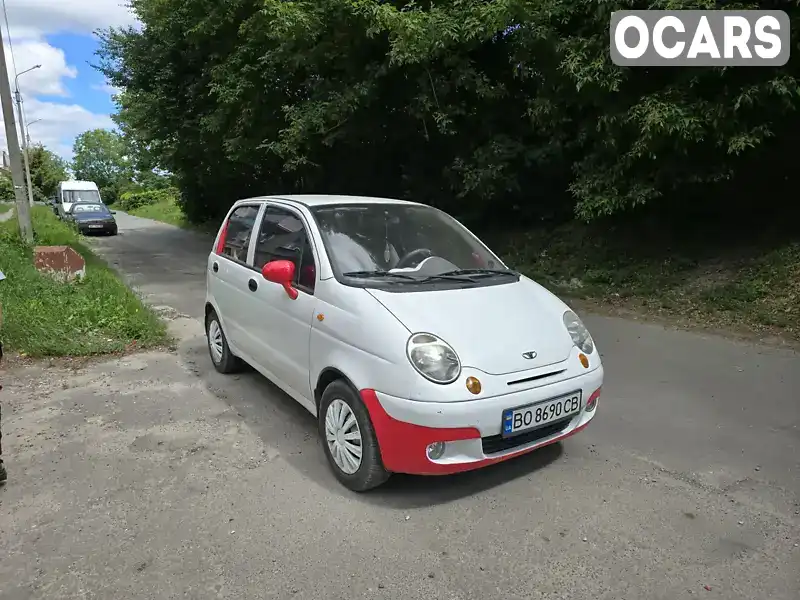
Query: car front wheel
point(349, 439)
point(224, 361)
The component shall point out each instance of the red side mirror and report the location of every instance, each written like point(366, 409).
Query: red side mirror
point(282, 273)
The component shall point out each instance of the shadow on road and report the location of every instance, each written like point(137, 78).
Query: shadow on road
point(408, 491)
point(287, 429)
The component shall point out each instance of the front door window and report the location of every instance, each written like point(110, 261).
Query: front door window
point(283, 237)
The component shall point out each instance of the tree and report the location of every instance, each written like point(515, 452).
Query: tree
point(47, 171)
point(482, 107)
point(100, 156)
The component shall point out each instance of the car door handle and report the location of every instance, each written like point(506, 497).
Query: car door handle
point(215, 267)
point(252, 285)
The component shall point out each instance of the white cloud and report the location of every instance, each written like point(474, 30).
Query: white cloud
point(73, 16)
point(30, 21)
point(48, 79)
point(58, 124)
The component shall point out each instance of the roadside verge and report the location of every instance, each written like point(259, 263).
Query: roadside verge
point(42, 317)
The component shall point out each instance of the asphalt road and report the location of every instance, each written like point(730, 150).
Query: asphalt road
point(687, 482)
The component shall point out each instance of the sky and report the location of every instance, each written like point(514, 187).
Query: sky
point(66, 93)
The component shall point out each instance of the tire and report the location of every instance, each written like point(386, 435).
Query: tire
point(369, 472)
point(221, 356)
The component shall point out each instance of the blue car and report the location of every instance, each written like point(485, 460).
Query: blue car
point(92, 217)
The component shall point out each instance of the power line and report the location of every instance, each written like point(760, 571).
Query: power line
point(10, 44)
point(11, 52)
point(17, 175)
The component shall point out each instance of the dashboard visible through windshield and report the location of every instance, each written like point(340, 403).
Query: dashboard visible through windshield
point(88, 208)
point(401, 246)
point(71, 196)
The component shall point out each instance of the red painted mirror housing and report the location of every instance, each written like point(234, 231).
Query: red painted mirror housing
point(282, 273)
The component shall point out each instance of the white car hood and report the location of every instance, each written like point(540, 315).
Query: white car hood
point(489, 327)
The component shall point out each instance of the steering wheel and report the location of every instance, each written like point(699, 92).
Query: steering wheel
point(415, 256)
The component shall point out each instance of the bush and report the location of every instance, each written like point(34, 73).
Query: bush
point(133, 200)
point(6, 187)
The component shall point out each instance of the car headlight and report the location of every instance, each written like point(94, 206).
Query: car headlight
point(433, 358)
point(578, 332)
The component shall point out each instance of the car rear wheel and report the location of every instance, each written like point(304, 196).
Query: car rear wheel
point(349, 440)
point(224, 361)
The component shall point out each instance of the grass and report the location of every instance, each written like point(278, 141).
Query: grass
point(171, 213)
point(42, 317)
point(166, 212)
point(720, 283)
point(5, 207)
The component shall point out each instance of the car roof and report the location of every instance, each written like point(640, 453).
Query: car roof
point(314, 200)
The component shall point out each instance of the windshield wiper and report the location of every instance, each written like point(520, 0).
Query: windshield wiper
point(485, 272)
point(406, 277)
point(449, 277)
point(370, 274)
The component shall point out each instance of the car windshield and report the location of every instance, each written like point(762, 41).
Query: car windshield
point(89, 208)
point(81, 196)
point(404, 243)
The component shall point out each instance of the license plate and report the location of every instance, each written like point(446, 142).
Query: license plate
point(95, 226)
point(524, 418)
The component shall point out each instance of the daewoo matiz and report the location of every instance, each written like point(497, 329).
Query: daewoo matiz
point(412, 343)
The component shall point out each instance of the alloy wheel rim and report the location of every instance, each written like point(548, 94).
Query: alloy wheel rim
point(215, 340)
point(343, 436)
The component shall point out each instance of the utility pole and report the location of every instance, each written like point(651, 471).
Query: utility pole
point(24, 146)
point(23, 129)
point(7, 105)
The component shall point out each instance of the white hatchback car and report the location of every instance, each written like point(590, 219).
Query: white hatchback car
point(412, 343)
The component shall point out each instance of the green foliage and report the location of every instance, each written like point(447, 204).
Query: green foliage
point(100, 156)
point(117, 163)
point(47, 171)
point(6, 187)
point(706, 278)
point(460, 103)
point(132, 200)
point(42, 317)
point(165, 210)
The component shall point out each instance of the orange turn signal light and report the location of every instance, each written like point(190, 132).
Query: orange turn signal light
point(584, 360)
point(473, 385)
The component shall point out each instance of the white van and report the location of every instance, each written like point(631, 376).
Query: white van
point(73, 191)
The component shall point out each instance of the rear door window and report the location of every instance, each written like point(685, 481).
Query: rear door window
point(239, 231)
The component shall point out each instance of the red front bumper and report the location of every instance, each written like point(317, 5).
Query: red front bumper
point(404, 446)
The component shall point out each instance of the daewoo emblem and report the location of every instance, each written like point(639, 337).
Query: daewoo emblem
point(529, 355)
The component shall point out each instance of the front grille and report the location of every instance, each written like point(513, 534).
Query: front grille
point(497, 443)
